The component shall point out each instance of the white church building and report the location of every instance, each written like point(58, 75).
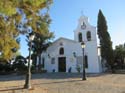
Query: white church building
point(66, 55)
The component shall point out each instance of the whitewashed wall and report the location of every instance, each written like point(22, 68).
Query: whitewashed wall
point(70, 46)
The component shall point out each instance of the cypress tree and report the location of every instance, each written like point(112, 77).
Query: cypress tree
point(105, 40)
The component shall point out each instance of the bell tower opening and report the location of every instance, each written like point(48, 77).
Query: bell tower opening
point(88, 34)
point(80, 37)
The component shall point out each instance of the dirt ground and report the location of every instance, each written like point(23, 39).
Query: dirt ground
point(64, 83)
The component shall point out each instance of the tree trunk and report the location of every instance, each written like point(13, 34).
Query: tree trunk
point(39, 63)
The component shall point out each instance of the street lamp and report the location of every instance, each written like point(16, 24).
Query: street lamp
point(84, 73)
point(28, 76)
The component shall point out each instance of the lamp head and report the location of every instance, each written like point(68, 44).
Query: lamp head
point(31, 36)
point(82, 44)
point(49, 56)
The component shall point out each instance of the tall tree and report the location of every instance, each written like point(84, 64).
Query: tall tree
point(105, 40)
point(8, 38)
point(42, 39)
point(31, 10)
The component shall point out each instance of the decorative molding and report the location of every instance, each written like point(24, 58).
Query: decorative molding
point(61, 43)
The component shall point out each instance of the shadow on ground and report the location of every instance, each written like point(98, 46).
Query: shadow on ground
point(47, 76)
point(11, 89)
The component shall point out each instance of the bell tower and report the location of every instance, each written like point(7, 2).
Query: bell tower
point(87, 33)
point(84, 31)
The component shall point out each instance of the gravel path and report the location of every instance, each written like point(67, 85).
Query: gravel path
point(66, 83)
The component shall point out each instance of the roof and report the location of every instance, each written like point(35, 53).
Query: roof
point(65, 39)
point(62, 38)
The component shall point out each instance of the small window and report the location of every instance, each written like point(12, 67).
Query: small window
point(53, 61)
point(61, 51)
point(80, 37)
point(89, 36)
point(86, 61)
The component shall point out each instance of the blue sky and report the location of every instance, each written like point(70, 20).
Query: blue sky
point(65, 15)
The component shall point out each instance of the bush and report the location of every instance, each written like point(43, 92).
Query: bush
point(6, 68)
point(19, 64)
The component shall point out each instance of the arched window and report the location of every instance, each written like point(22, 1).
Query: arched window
point(86, 61)
point(89, 36)
point(61, 51)
point(80, 37)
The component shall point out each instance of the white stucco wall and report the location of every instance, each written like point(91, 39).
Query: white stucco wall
point(71, 46)
point(91, 49)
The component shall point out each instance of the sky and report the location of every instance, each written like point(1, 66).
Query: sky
point(65, 15)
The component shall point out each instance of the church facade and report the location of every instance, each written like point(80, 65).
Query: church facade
point(66, 55)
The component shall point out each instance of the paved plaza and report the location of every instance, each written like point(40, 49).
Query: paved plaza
point(64, 83)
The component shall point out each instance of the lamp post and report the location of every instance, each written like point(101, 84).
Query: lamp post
point(84, 73)
point(28, 76)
